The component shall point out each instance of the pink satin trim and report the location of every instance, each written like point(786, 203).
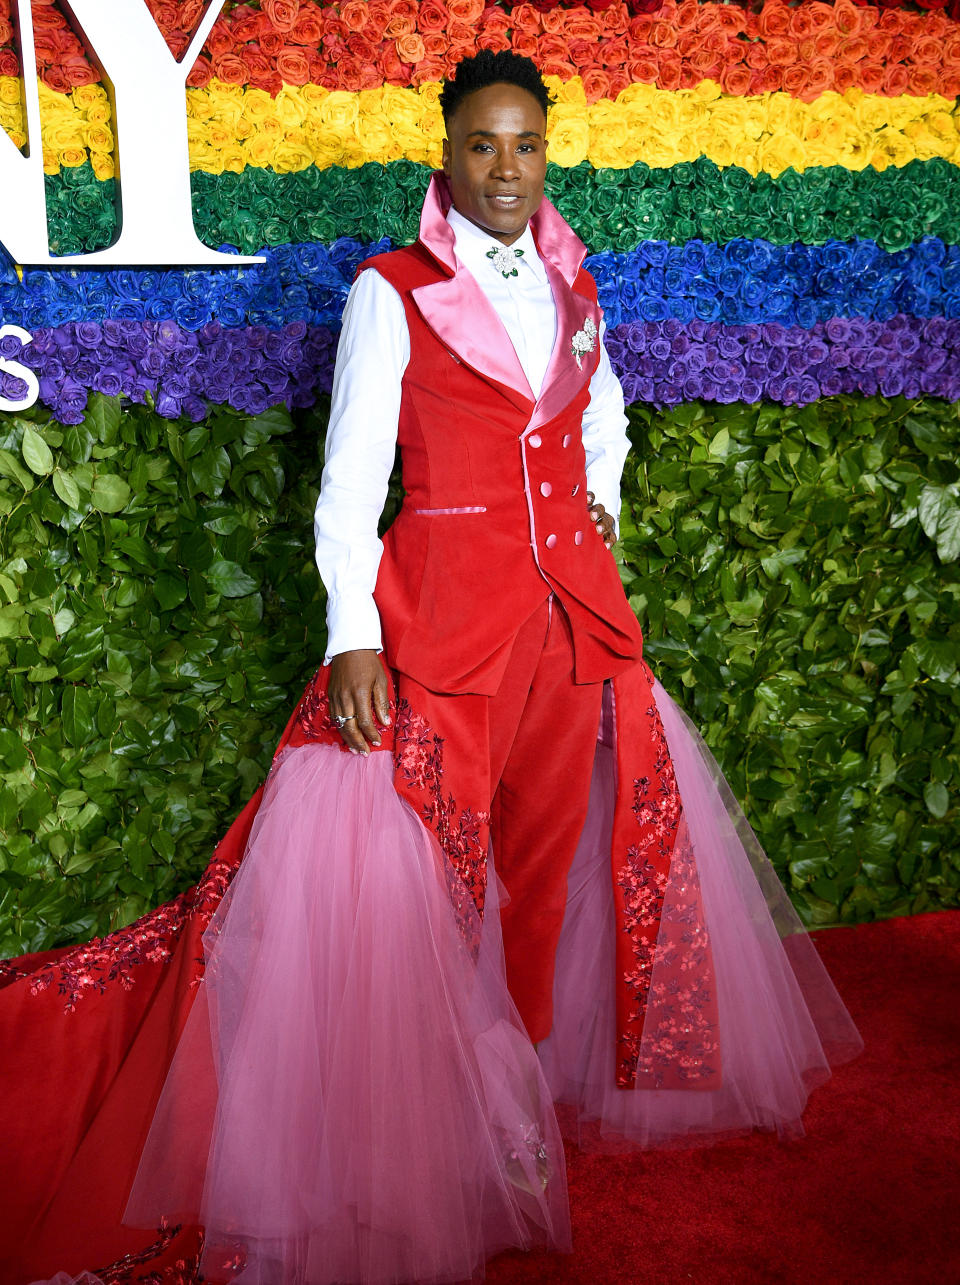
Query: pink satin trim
point(478, 508)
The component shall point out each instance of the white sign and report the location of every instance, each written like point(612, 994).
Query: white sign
point(147, 88)
point(20, 371)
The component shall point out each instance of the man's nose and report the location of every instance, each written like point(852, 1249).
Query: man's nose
point(505, 166)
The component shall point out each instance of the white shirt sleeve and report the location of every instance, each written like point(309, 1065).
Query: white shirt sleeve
point(360, 449)
point(605, 439)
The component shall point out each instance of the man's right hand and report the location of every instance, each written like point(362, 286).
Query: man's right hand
point(358, 686)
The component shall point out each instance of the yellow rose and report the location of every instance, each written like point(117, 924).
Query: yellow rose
point(87, 96)
point(98, 138)
point(259, 151)
point(781, 152)
point(568, 135)
point(62, 134)
point(609, 136)
point(291, 106)
point(375, 135)
point(9, 90)
point(569, 92)
point(71, 157)
point(257, 104)
point(338, 111)
point(98, 113)
point(103, 166)
point(429, 93)
point(314, 95)
point(233, 158)
point(199, 104)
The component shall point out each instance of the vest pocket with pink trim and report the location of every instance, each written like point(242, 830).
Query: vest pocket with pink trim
point(477, 508)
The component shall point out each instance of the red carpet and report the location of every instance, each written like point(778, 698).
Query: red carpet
point(870, 1195)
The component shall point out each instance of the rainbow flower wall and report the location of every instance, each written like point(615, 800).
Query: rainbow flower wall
point(770, 196)
point(771, 199)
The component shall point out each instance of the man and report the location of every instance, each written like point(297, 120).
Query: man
point(500, 601)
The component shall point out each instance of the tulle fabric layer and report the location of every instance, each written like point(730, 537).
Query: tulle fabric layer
point(354, 1098)
point(782, 1024)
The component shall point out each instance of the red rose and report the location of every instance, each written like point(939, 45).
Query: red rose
point(200, 74)
point(393, 70)
point(827, 43)
point(362, 48)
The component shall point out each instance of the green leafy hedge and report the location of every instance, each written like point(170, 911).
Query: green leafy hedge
point(796, 573)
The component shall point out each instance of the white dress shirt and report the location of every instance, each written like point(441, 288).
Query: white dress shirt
point(365, 410)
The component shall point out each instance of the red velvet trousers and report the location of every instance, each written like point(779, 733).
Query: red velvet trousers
point(525, 755)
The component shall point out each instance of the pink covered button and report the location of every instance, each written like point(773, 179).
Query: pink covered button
point(546, 489)
point(535, 440)
point(550, 541)
point(567, 439)
point(578, 538)
point(575, 489)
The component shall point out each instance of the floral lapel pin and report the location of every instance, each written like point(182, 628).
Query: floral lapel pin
point(584, 341)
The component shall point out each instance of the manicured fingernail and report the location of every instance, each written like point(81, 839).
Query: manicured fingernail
point(353, 750)
point(387, 721)
point(374, 742)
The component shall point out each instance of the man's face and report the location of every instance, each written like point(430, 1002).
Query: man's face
point(495, 158)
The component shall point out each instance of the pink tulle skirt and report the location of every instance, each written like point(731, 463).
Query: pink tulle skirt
point(354, 1098)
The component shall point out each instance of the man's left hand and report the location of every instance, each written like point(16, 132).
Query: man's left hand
point(604, 520)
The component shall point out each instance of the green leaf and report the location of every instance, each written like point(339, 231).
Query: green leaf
point(66, 488)
point(939, 513)
point(77, 711)
point(229, 579)
point(102, 417)
point(36, 453)
point(109, 493)
point(937, 798)
point(11, 467)
point(170, 590)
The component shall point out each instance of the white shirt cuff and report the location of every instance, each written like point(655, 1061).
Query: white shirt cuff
point(353, 624)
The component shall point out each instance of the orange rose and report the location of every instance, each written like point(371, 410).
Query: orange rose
point(705, 66)
point(687, 43)
point(662, 35)
point(201, 73)
point(928, 51)
point(613, 52)
point(271, 42)
point(596, 84)
point(436, 44)
point(689, 77)
point(644, 66)
point(354, 14)
point(923, 80)
point(852, 50)
point(735, 79)
point(878, 45)
point(399, 25)
point(774, 19)
point(552, 48)
point(557, 67)
point(526, 18)
point(896, 79)
point(248, 26)
point(950, 83)
point(293, 66)
point(615, 19)
point(525, 43)
point(670, 70)
point(756, 56)
point(256, 62)
point(432, 17)
point(220, 40)
point(801, 22)
point(282, 13)
point(781, 51)
point(819, 77)
point(844, 77)
point(689, 16)
point(393, 71)
point(718, 42)
point(768, 80)
point(427, 70)
point(306, 30)
point(820, 15)
point(900, 49)
point(361, 48)
point(581, 24)
point(871, 76)
point(493, 39)
point(333, 28)
point(935, 25)
point(951, 51)
point(794, 79)
point(730, 18)
point(847, 18)
point(554, 20)
point(460, 33)
point(827, 44)
point(230, 69)
point(466, 10)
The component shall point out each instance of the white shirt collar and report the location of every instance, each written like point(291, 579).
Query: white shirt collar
point(471, 244)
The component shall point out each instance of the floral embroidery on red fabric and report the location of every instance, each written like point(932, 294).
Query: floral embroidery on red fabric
point(91, 967)
point(461, 832)
point(313, 713)
point(681, 1046)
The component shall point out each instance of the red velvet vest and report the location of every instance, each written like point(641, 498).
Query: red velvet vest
point(495, 512)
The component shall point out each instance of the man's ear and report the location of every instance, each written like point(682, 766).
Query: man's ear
point(445, 158)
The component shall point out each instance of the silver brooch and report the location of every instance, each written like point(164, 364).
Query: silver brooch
point(504, 259)
point(584, 341)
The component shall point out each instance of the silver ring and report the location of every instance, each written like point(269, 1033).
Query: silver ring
point(342, 719)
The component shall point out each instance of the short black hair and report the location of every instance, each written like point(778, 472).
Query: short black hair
point(489, 68)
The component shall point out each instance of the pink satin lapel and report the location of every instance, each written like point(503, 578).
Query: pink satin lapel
point(465, 322)
point(564, 378)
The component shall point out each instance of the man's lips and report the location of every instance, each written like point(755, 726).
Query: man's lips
point(506, 199)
